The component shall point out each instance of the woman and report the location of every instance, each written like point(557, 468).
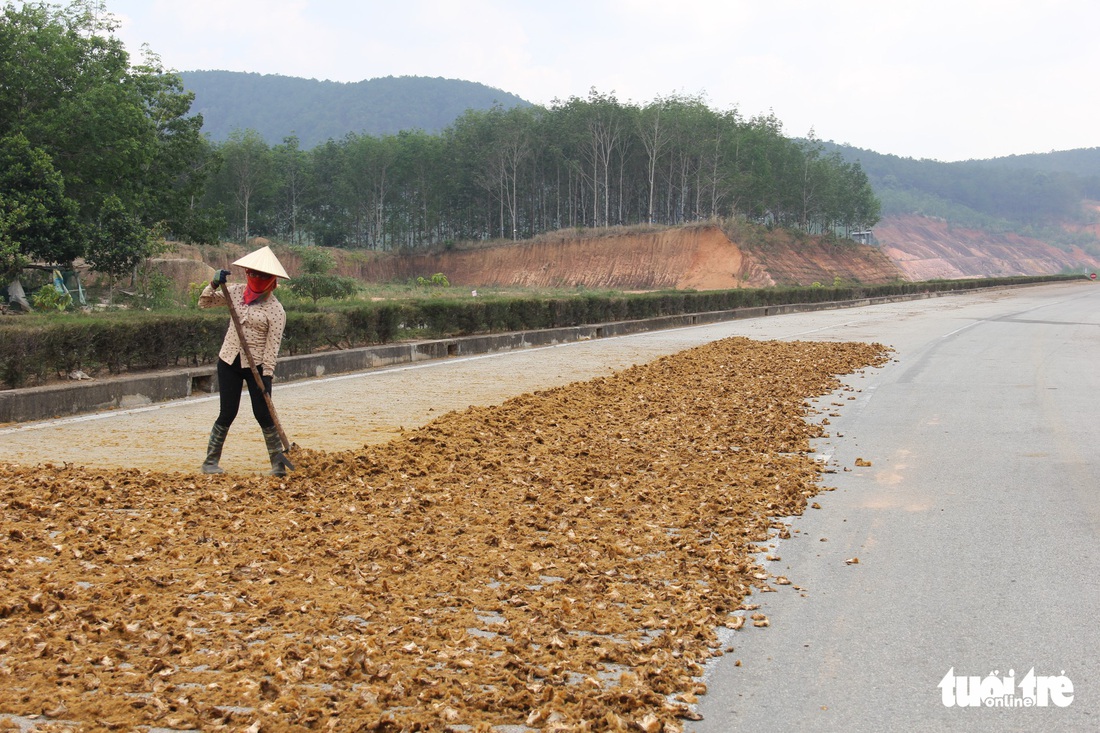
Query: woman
point(262, 320)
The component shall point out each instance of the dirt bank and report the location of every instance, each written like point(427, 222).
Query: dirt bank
point(701, 258)
point(789, 259)
point(697, 258)
point(704, 258)
point(929, 249)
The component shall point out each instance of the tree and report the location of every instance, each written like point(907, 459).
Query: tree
point(248, 165)
point(420, 159)
point(515, 150)
point(38, 222)
point(655, 137)
point(180, 160)
point(327, 214)
point(290, 168)
point(601, 139)
point(502, 162)
point(315, 281)
point(108, 131)
point(117, 242)
point(367, 184)
point(315, 261)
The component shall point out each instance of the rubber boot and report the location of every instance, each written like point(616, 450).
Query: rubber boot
point(214, 449)
point(279, 462)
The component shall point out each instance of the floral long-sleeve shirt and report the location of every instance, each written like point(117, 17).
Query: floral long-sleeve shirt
point(262, 322)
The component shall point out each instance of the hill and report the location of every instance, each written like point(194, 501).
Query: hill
point(317, 111)
point(1014, 215)
point(1041, 196)
point(1047, 196)
point(1083, 162)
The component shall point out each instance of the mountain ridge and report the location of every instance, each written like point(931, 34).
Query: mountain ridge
point(316, 111)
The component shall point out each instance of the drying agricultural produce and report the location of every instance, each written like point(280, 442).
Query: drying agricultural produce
point(558, 562)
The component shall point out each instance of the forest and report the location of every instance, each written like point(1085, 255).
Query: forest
point(516, 173)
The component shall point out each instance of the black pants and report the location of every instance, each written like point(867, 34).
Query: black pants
point(231, 380)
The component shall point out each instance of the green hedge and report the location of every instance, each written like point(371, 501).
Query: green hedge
point(34, 348)
point(55, 347)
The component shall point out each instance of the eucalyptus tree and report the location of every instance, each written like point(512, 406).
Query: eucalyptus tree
point(505, 163)
point(470, 142)
point(655, 136)
point(813, 181)
point(859, 208)
point(420, 173)
point(290, 163)
point(692, 127)
point(366, 183)
point(770, 158)
point(732, 170)
point(248, 175)
point(590, 134)
point(325, 204)
point(605, 124)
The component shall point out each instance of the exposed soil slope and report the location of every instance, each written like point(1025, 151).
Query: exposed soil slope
point(787, 259)
point(928, 249)
point(702, 258)
point(699, 258)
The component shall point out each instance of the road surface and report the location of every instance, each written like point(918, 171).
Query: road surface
point(976, 527)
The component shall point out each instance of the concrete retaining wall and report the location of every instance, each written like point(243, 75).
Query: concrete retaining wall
point(43, 403)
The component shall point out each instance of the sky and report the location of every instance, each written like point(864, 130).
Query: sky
point(940, 79)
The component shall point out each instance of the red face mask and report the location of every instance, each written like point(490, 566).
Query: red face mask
point(258, 285)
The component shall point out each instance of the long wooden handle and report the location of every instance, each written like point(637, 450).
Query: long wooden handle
point(252, 365)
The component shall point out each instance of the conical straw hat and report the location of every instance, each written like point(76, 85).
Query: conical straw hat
point(263, 260)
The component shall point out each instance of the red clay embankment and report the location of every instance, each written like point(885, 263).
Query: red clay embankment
point(697, 258)
point(931, 249)
point(700, 258)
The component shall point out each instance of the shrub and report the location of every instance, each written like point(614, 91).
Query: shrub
point(316, 286)
point(438, 280)
point(49, 298)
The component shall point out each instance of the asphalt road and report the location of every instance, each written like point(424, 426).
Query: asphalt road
point(975, 526)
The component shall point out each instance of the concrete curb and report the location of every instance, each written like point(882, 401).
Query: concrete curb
point(53, 401)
